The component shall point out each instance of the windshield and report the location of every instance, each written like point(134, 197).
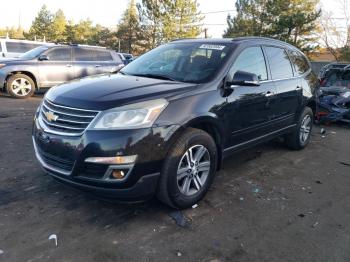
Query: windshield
point(184, 62)
point(33, 53)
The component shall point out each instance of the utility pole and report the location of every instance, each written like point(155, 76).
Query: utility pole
point(206, 32)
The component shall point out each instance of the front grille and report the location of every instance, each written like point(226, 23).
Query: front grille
point(57, 162)
point(65, 120)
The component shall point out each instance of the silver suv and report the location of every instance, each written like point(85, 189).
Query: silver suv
point(46, 66)
point(10, 48)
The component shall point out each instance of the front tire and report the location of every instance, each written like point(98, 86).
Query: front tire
point(20, 86)
point(188, 170)
point(300, 138)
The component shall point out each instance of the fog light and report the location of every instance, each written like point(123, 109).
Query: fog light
point(116, 160)
point(118, 174)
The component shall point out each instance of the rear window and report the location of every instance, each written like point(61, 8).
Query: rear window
point(104, 56)
point(82, 54)
point(279, 62)
point(299, 61)
point(18, 47)
point(337, 77)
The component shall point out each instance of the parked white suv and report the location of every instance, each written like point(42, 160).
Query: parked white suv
point(11, 48)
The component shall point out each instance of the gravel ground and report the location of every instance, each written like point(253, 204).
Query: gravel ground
point(266, 204)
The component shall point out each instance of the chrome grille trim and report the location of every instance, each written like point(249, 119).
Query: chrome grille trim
point(70, 122)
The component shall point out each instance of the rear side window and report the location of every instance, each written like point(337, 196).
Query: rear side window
point(279, 63)
point(59, 54)
point(299, 61)
point(83, 54)
point(251, 60)
point(104, 56)
point(18, 47)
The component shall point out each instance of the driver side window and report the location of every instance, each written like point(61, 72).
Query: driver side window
point(250, 60)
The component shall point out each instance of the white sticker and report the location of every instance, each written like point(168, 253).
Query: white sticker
point(346, 94)
point(213, 47)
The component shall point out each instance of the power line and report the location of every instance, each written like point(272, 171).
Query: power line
point(215, 12)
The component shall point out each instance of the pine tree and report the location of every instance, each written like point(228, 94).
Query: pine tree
point(293, 21)
point(58, 26)
point(181, 19)
point(41, 26)
point(129, 29)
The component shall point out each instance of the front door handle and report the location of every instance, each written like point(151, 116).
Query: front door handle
point(68, 65)
point(97, 65)
point(269, 93)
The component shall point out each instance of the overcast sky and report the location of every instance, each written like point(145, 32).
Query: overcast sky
point(108, 12)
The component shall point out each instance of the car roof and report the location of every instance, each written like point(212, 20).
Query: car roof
point(237, 40)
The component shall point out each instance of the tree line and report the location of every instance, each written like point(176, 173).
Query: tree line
point(149, 23)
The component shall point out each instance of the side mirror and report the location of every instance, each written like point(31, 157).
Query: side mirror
point(43, 58)
point(242, 78)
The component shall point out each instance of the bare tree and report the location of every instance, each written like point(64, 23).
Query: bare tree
point(333, 31)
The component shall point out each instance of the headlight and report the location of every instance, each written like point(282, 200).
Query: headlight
point(139, 115)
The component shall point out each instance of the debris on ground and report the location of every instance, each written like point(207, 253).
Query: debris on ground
point(323, 131)
point(315, 224)
point(54, 237)
point(256, 190)
point(179, 218)
point(301, 215)
point(318, 182)
point(178, 253)
point(241, 198)
point(1, 252)
point(195, 206)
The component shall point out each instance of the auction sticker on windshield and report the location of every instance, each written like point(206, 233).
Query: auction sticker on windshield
point(213, 47)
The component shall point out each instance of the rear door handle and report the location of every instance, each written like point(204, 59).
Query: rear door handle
point(97, 65)
point(68, 65)
point(269, 93)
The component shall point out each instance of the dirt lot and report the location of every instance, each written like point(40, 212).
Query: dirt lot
point(267, 204)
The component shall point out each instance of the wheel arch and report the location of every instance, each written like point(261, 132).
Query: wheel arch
point(27, 73)
point(212, 126)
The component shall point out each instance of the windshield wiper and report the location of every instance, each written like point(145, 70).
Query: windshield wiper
point(157, 77)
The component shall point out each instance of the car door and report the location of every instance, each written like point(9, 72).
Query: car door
point(57, 68)
point(249, 107)
point(288, 87)
point(85, 62)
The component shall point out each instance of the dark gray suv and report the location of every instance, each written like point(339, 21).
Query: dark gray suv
point(50, 65)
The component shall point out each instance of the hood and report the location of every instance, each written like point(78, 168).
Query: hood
point(112, 90)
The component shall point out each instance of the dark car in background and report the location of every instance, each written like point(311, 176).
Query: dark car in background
point(334, 93)
point(126, 58)
point(47, 66)
point(165, 122)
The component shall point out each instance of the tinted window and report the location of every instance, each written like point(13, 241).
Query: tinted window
point(251, 60)
point(279, 63)
point(83, 54)
point(18, 47)
point(104, 56)
point(59, 54)
point(299, 61)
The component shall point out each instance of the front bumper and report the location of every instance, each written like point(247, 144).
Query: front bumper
point(63, 157)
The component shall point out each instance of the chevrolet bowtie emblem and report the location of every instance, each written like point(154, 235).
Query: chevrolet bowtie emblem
point(50, 116)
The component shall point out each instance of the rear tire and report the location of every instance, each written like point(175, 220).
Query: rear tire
point(20, 86)
point(188, 170)
point(300, 138)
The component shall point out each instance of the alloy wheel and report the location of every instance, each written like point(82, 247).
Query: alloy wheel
point(193, 170)
point(21, 86)
point(305, 129)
